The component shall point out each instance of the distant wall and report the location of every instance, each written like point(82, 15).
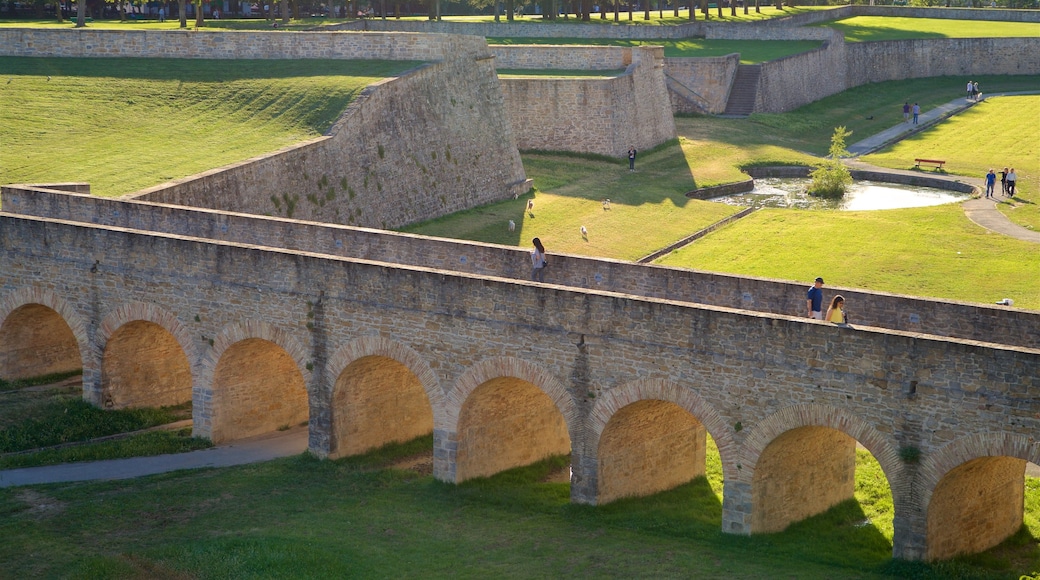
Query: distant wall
point(709, 78)
point(602, 116)
point(432, 142)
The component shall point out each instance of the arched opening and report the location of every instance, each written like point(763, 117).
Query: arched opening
point(144, 366)
point(376, 401)
point(976, 506)
point(36, 341)
point(257, 388)
point(507, 422)
point(801, 473)
point(647, 447)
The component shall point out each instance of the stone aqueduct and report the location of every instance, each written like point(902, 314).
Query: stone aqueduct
point(371, 337)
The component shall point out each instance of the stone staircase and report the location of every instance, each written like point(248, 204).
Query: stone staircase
point(742, 95)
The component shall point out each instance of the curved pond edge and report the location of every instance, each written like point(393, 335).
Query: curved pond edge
point(933, 180)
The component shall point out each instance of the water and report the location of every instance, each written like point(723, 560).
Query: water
point(862, 195)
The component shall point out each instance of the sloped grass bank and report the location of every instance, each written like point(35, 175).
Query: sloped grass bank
point(126, 124)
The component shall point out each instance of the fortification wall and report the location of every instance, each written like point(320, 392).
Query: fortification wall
point(535, 29)
point(983, 322)
point(709, 78)
point(602, 116)
point(429, 143)
point(562, 57)
point(871, 62)
point(800, 79)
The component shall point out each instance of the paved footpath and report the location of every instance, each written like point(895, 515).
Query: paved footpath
point(252, 450)
point(980, 210)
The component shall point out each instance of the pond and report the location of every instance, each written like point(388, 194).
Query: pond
point(862, 195)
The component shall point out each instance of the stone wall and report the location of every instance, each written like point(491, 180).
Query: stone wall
point(984, 322)
point(602, 116)
point(872, 62)
point(710, 79)
point(429, 143)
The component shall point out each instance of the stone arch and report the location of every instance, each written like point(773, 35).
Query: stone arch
point(664, 390)
point(145, 355)
point(827, 437)
point(379, 391)
point(972, 490)
point(661, 397)
point(520, 411)
point(253, 381)
point(41, 334)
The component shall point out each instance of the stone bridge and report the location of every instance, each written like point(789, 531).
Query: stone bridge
point(372, 337)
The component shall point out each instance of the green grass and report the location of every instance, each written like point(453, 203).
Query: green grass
point(751, 51)
point(140, 445)
point(970, 147)
point(932, 251)
point(569, 190)
point(115, 122)
point(300, 517)
point(64, 420)
point(877, 28)
point(38, 380)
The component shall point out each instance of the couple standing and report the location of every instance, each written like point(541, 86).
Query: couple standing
point(814, 304)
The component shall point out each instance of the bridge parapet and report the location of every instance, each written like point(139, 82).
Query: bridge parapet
point(957, 319)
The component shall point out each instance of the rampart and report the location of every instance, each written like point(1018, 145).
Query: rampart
point(982, 322)
point(604, 116)
point(432, 142)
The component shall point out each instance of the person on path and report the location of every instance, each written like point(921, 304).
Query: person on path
point(971, 88)
point(814, 300)
point(975, 90)
point(162, 14)
point(906, 112)
point(836, 311)
point(917, 111)
point(1003, 181)
point(538, 262)
point(1012, 177)
point(631, 158)
point(991, 182)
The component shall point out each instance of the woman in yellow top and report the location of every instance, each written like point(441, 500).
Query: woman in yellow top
point(835, 312)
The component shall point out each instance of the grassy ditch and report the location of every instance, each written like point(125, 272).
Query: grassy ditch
point(751, 51)
point(880, 28)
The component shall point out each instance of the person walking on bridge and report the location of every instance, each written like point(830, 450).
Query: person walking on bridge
point(538, 262)
point(814, 300)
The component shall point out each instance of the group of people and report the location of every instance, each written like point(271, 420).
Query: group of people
point(1007, 182)
point(907, 109)
point(814, 305)
point(973, 91)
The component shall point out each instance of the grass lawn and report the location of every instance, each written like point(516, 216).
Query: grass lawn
point(875, 28)
point(112, 122)
point(751, 51)
point(997, 133)
point(304, 518)
point(569, 191)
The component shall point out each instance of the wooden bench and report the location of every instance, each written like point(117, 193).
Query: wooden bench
point(937, 163)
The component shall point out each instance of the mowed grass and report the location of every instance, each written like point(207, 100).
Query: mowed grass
point(999, 132)
point(751, 51)
point(877, 28)
point(126, 124)
point(648, 208)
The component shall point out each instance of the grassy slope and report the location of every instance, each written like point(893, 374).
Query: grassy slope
point(127, 124)
point(877, 28)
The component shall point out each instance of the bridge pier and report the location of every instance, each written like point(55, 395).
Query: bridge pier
point(736, 508)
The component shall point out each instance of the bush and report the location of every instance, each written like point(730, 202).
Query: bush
point(831, 178)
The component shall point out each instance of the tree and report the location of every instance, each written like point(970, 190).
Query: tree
point(81, 13)
point(831, 178)
point(182, 12)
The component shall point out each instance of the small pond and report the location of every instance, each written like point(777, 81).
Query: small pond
point(862, 195)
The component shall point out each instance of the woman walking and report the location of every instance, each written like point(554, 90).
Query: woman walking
point(538, 262)
point(836, 312)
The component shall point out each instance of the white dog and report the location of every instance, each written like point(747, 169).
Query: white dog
point(606, 204)
point(584, 233)
point(512, 225)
